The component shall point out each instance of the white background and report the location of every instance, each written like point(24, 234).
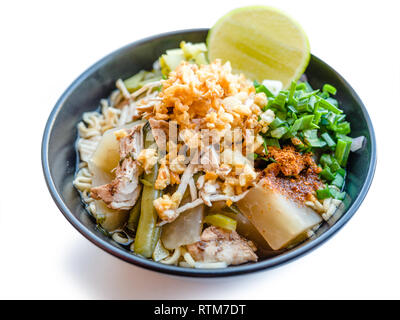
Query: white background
point(45, 45)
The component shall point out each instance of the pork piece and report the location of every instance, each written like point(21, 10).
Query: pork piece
point(123, 192)
point(219, 245)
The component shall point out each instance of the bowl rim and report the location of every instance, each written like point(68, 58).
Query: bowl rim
point(175, 270)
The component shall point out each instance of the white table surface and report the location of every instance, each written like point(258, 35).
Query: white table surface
point(45, 45)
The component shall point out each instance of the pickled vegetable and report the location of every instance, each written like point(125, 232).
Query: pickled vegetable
point(134, 215)
point(222, 221)
point(279, 219)
point(110, 219)
point(186, 229)
point(160, 252)
point(148, 233)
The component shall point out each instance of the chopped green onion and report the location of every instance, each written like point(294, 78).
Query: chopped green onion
point(343, 128)
point(328, 88)
point(301, 86)
point(276, 123)
point(337, 194)
point(311, 137)
point(323, 193)
point(279, 101)
point(272, 142)
point(303, 123)
point(342, 151)
point(332, 101)
point(262, 88)
point(338, 181)
point(335, 166)
point(292, 91)
point(327, 174)
point(325, 160)
point(328, 139)
point(279, 132)
point(293, 110)
point(328, 106)
point(308, 95)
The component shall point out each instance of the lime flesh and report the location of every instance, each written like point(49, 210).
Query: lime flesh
point(260, 42)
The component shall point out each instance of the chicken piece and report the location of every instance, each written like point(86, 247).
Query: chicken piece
point(123, 192)
point(219, 245)
point(132, 144)
point(159, 129)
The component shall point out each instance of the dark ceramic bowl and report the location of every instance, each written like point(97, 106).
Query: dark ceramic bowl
point(84, 94)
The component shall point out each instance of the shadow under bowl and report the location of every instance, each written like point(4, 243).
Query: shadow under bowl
point(59, 155)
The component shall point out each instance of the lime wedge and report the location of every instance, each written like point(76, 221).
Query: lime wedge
point(260, 42)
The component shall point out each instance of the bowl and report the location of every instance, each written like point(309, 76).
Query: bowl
point(59, 156)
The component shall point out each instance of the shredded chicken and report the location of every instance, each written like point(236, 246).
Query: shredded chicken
point(219, 245)
point(159, 129)
point(123, 192)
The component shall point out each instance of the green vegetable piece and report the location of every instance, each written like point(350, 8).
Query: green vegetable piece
point(343, 128)
point(277, 122)
point(171, 60)
point(342, 172)
point(325, 160)
point(323, 193)
point(222, 221)
point(272, 142)
point(308, 95)
point(303, 123)
point(292, 90)
point(301, 86)
point(311, 137)
point(337, 194)
point(145, 182)
point(302, 106)
point(333, 101)
point(280, 101)
point(338, 181)
point(327, 174)
point(328, 139)
point(328, 106)
point(134, 215)
point(329, 88)
point(342, 151)
point(335, 166)
point(133, 83)
point(160, 252)
point(262, 88)
point(318, 114)
point(279, 132)
point(193, 50)
point(147, 233)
